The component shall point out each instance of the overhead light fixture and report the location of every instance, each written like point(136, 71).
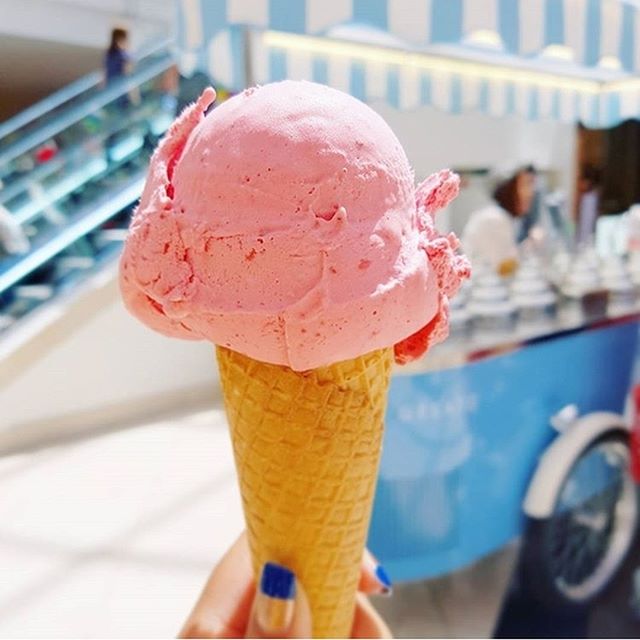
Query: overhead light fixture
point(610, 62)
point(429, 62)
point(484, 38)
point(558, 52)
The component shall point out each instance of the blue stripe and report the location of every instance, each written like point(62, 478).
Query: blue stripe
point(446, 20)
point(425, 89)
point(555, 104)
point(510, 99)
point(627, 37)
point(237, 58)
point(285, 15)
point(533, 112)
point(613, 109)
point(593, 112)
point(553, 22)
point(592, 34)
point(214, 18)
point(277, 65)
point(320, 70)
point(483, 97)
point(509, 24)
point(455, 105)
point(371, 12)
point(393, 87)
point(181, 29)
point(357, 84)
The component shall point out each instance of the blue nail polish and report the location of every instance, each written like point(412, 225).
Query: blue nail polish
point(278, 582)
point(384, 578)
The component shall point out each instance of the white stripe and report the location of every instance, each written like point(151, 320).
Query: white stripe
point(545, 102)
point(531, 26)
point(375, 79)
point(299, 65)
point(441, 90)
point(611, 22)
point(567, 107)
point(470, 92)
point(254, 12)
point(637, 40)
point(497, 97)
point(630, 104)
point(339, 72)
point(409, 78)
point(410, 20)
point(192, 23)
point(220, 63)
point(575, 16)
point(322, 14)
point(479, 14)
point(522, 99)
point(259, 58)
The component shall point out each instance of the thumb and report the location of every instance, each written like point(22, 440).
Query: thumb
point(280, 607)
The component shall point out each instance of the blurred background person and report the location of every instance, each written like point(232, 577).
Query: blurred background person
point(118, 61)
point(13, 240)
point(492, 232)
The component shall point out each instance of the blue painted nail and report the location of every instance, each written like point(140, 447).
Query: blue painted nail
point(384, 579)
point(278, 582)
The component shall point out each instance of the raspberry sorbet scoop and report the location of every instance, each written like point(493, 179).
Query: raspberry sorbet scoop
point(285, 225)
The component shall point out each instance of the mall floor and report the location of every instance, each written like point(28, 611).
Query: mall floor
point(113, 536)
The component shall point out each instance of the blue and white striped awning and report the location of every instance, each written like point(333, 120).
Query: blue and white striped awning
point(561, 59)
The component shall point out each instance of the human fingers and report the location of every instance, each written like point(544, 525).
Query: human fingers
point(224, 606)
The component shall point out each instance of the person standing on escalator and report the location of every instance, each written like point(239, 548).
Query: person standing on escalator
point(118, 62)
point(117, 65)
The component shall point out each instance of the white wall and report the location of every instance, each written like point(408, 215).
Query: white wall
point(434, 140)
point(96, 366)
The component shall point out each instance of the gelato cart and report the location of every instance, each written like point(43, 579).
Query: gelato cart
point(495, 437)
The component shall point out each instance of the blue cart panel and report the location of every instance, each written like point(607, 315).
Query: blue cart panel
point(461, 444)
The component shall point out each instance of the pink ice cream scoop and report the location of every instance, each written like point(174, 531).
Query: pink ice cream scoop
point(286, 225)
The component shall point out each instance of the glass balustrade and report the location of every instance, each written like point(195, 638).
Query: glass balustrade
point(71, 170)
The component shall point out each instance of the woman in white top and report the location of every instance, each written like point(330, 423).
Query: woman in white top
point(491, 232)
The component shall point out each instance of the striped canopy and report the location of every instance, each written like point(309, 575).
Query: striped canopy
point(560, 59)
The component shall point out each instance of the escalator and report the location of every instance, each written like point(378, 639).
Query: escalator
point(71, 170)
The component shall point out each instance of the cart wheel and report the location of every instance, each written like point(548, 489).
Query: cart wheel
point(570, 557)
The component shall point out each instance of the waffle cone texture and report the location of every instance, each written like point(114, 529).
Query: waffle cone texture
point(307, 448)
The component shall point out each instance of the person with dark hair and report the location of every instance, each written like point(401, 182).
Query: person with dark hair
point(492, 231)
point(117, 61)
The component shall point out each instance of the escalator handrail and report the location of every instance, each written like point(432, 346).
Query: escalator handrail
point(75, 114)
point(67, 155)
point(69, 92)
point(80, 225)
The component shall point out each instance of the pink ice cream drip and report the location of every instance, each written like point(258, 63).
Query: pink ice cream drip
point(433, 194)
point(286, 225)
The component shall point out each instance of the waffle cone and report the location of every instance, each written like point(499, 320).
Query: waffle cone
point(307, 447)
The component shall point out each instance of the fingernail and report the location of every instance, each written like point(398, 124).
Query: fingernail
point(384, 580)
point(275, 599)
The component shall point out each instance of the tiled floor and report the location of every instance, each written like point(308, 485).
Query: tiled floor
point(114, 536)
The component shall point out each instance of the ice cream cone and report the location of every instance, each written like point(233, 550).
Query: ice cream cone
point(307, 447)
